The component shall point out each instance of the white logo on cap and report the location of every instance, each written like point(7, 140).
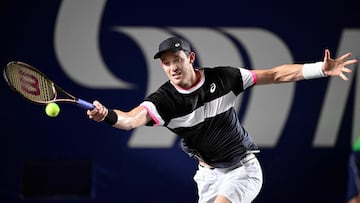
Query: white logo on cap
point(177, 44)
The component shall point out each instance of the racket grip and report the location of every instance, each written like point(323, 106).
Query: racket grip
point(85, 105)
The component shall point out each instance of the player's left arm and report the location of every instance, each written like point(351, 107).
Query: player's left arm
point(296, 72)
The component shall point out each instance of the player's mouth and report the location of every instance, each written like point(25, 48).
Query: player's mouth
point(176, 75)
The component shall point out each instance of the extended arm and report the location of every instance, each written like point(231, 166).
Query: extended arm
point(123, 120)
point(295, 72)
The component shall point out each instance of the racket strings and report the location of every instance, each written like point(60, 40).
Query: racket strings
point(31, 84)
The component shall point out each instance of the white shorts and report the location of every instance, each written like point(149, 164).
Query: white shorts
point(239, 185)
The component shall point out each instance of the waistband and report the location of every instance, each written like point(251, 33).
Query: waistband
point(246, 158)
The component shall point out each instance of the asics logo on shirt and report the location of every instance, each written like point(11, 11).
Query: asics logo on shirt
point(212, 87)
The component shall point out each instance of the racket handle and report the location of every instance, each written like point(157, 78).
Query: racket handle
point(85, 105)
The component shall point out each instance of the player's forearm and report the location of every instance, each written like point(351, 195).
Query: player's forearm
point(280, 74)
point(128, 120)
point(125, 121)
point(290, 73)
point(119, 119)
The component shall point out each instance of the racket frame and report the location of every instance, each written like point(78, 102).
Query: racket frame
point(55, 89)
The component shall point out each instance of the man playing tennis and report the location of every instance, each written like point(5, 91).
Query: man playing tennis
point(198, 105)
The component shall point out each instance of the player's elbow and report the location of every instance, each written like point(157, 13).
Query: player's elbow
point(278, 78)
point(269, 77)
point(287, 73)
point(274, 76)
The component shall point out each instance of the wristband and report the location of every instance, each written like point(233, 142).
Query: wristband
point(111, 118)
point(313, 70)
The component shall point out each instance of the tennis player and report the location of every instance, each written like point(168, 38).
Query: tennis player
point(197, 104)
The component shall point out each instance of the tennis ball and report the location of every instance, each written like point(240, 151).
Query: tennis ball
point(52, 109)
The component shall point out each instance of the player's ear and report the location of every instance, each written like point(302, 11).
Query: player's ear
point(192, 57)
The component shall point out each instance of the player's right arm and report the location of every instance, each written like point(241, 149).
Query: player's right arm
point(124, 120)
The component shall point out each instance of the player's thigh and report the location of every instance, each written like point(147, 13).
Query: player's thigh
point(222, 199)
point(243, 184)
point(207, 184)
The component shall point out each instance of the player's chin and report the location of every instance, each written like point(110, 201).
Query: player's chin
point(176, 82)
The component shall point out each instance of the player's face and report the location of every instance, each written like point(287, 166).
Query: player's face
point(179, 69)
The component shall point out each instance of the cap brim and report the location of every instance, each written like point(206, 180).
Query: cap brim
point(158, 55)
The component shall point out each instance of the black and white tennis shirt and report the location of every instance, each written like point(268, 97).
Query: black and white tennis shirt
point(204, 115)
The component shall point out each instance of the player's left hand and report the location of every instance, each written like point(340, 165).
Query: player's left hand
point(337, 67)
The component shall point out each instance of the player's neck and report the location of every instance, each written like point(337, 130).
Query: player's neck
point(195, 78)
point(194, 81)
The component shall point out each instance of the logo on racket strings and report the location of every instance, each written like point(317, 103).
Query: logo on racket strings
point(29, 83)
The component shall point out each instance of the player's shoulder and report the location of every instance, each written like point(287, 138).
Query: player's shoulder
point(221, 71)
point(219, 68)
point(165, 89)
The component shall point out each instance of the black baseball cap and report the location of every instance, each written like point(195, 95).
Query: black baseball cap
point(172, 44)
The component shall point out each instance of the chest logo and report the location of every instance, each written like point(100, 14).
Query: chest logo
point(212, 87)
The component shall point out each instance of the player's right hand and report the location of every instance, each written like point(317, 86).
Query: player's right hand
point(98, 113)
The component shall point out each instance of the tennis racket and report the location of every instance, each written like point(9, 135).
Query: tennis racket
point(35, 87)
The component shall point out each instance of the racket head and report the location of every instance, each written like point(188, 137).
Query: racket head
point(29, 82)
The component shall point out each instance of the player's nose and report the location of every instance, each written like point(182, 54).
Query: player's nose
point(174, 67)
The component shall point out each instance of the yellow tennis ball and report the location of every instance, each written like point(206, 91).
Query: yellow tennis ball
point(52, 109)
